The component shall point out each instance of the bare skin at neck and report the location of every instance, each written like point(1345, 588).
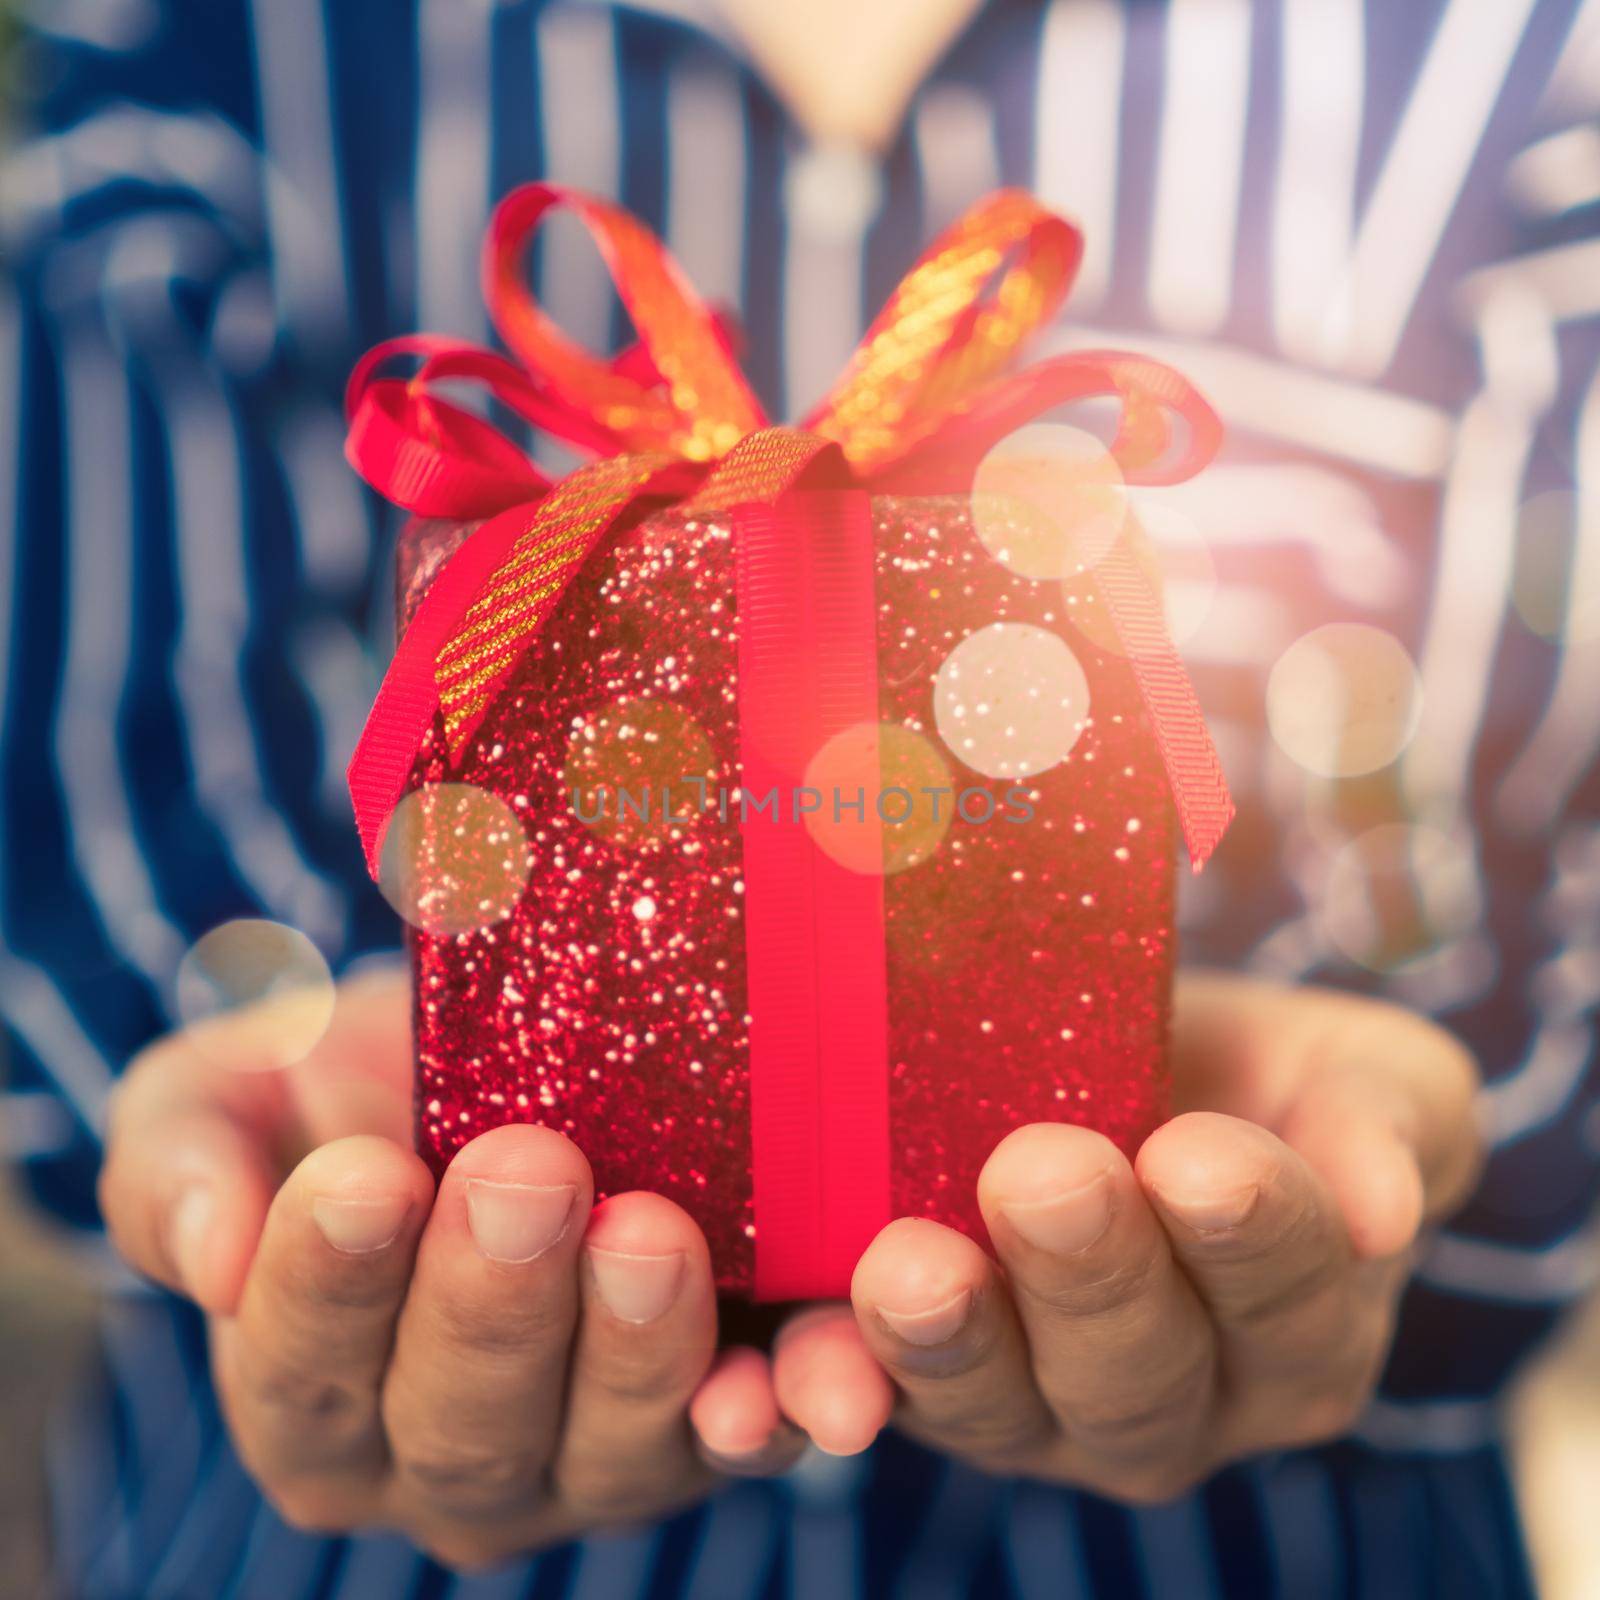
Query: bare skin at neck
point(847, 69)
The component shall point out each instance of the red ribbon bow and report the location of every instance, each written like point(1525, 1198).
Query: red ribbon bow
point(926, 394)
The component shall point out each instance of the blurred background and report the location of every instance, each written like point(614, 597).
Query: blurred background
point(1369, 235)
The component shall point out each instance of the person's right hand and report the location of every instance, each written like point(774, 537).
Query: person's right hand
point(490, 1369)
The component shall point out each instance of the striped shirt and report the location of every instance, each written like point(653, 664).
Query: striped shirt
point(1366, 230)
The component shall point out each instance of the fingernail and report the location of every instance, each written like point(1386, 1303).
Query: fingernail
point(933, 1326)
point(357, 1227)
point(1213, 1213)
point(517, 1222)
point(635, 1288)
point(188, 1230)
point(1064, 1223)
point(743, 1456)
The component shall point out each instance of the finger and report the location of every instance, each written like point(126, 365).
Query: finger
point(645, 1341)
point(204, 1124)
point(185, 1196)
point(738, 1426)
point(828, 1383)
point(299, 1367)
point(1122, 1349)
point(935, 1314)
point(1346, 1133)
point(1334, 1074)
point(1263, 1243)
point(358, 1078)
point(473, 1398)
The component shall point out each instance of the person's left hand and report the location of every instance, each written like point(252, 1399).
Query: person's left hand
point(1231, 1291)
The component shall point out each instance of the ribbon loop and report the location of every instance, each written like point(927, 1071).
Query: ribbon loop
point(424, 453)
point(1152, 396)
point(939, 338)
point(702, 406)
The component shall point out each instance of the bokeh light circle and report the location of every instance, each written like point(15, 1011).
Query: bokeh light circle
point(1396, 893)
point(638, 770)
point(455, 859)
point(1011, 700)
point(1048, 501)
point(873, 762)
point(254, 995)
point(1344, 700)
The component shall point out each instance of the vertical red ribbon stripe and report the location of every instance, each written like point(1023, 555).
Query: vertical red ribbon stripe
point(814, 932)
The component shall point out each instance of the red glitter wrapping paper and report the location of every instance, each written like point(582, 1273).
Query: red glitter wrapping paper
point(1028, 936)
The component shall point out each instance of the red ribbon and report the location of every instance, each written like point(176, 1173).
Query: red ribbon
point(673, 418)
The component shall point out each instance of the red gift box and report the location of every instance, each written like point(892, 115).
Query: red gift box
point(783, 842)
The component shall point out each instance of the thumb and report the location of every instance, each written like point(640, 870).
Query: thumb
point(1388, 1119)
point(190, 1168)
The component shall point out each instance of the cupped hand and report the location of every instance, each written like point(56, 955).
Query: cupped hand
point(1232, 1290)
point(490, 1368)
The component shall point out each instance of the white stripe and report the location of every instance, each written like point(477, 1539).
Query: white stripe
point(30, 1001)
point(580, 122)
point(85, 1498)
point(1077, 129)
point(1541, 1088)
point(1291, 951)
point(341, 678)
point(1565, 1270)
point(32, 1004)
point(377, 1564)
point(735, 1548)
point(1454, 974)
point(940, 1560)
point(331, 517)
point(825, 1525)
point(1478, 524)
point(1574, 87)
point(1303, 1525)
point(1314, 205)
point(277, 1561)
point(167, 1438)
point(701, 15)
point(1439, 1427)
point(33, 1124)
point(616, 1568)
point(1566, 279)
point(302, 178)
point(197, 151)
point(209, 516)
point(510, 1583)
point(452, 182)
point(1174, 1545)
point(1567, 986)
point(111, 25)
point(1041, 1544)
point(957, 163)
point(1319, 508)
point(1331, 416)
point(1566, 741)
point(706, 157)
point(1425, 168)
point(100, 597)
point(1242, 628)
point(216, 1523)
point(831, 195)
point(1558, 174)
point(1200, 162)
